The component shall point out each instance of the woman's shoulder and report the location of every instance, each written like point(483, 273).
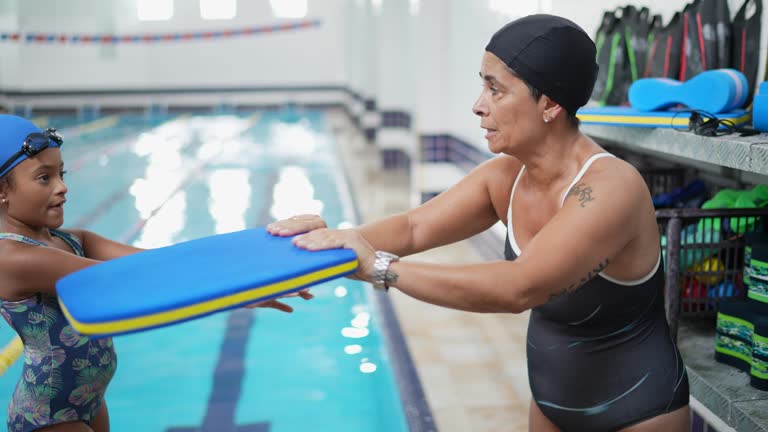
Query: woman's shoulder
point(615, 180)
point(610, 169)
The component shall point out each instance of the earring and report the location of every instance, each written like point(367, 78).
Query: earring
point(547, 119)
point(4, 200)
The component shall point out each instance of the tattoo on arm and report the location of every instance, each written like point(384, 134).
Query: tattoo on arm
point(583, 192)
point(600, 267)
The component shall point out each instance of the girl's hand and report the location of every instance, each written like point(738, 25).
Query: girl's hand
point(276, 304)
point(296, 225)
point(321, 239)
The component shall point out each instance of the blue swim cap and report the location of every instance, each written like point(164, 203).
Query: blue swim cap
point(13, 131)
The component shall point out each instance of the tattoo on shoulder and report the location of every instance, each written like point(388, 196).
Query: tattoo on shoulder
point(583, 192)
point(600, 267)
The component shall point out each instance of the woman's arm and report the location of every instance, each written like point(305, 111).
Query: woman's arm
point(465, 209)
point(471, 206)
point(579, 242)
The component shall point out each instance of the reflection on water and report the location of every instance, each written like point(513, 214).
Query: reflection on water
point(295, 140)
point(367, 367)
point(161, 229)
point(354, 332)
point(228, 203)
point(353, 349)
point(163, 176)
point(361, 320)
point(294, 194)
point(169, 151)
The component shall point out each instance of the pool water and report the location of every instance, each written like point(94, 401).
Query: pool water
point(162, 180)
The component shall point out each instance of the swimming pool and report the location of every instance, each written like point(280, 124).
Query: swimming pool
point(332, 365)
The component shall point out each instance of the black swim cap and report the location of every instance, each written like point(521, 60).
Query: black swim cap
point(552, 54)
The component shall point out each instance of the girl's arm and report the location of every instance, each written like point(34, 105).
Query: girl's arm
point(101, 248)
point(27, 270)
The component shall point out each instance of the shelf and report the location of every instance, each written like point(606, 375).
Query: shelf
point(722, 389)
point(749, 154)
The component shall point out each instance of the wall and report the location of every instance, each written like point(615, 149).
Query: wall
point(305, 57)
point(424, 63)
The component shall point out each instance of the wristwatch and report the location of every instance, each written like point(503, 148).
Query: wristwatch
point(381, 274)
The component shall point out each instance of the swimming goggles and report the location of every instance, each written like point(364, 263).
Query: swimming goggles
point(33, 144)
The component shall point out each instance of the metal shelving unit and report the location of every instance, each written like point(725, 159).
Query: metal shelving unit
point(749, 154)
point(721, 390)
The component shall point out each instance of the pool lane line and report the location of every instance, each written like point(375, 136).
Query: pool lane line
point(228, 379)
point(91, 126)
point(10, 353)
point(133, 232)
point(100, 209)
point(41, 122)
point(113, 148)
point(230, 368)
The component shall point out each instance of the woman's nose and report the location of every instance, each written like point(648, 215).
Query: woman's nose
point(479, 108)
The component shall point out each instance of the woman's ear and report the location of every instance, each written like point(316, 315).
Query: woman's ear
point(551, 109)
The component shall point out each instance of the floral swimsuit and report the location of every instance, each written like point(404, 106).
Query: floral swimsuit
point(65, 375)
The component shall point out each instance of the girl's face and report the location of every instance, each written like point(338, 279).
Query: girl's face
point(37, 193)
point(507, 111)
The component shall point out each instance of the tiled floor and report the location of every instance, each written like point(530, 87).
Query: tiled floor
point(472, 366)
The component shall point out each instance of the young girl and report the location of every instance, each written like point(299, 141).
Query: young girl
point(65, 375)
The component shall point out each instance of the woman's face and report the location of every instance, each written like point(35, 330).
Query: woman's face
point(507, 111)
point(38, 192)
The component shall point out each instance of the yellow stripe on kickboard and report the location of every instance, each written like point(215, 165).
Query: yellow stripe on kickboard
point(680, 120)
point(191, 311)
point(10, 353)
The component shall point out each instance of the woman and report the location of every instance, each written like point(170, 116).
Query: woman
point(583, 251)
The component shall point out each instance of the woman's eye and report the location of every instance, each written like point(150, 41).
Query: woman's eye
point(43, 178)
point(62, 173)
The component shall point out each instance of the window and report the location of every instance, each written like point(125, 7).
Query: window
point(154, 10)
point(289, 8)
point(218, 9)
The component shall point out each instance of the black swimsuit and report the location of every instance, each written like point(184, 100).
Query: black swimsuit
point(601, 357)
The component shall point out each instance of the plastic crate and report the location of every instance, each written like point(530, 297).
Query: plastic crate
point(704, 257)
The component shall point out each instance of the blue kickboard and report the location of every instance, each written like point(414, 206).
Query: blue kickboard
point(176, 283)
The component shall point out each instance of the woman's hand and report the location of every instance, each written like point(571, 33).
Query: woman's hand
point(296, 225)
point(320, 239)
point(277, 304)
